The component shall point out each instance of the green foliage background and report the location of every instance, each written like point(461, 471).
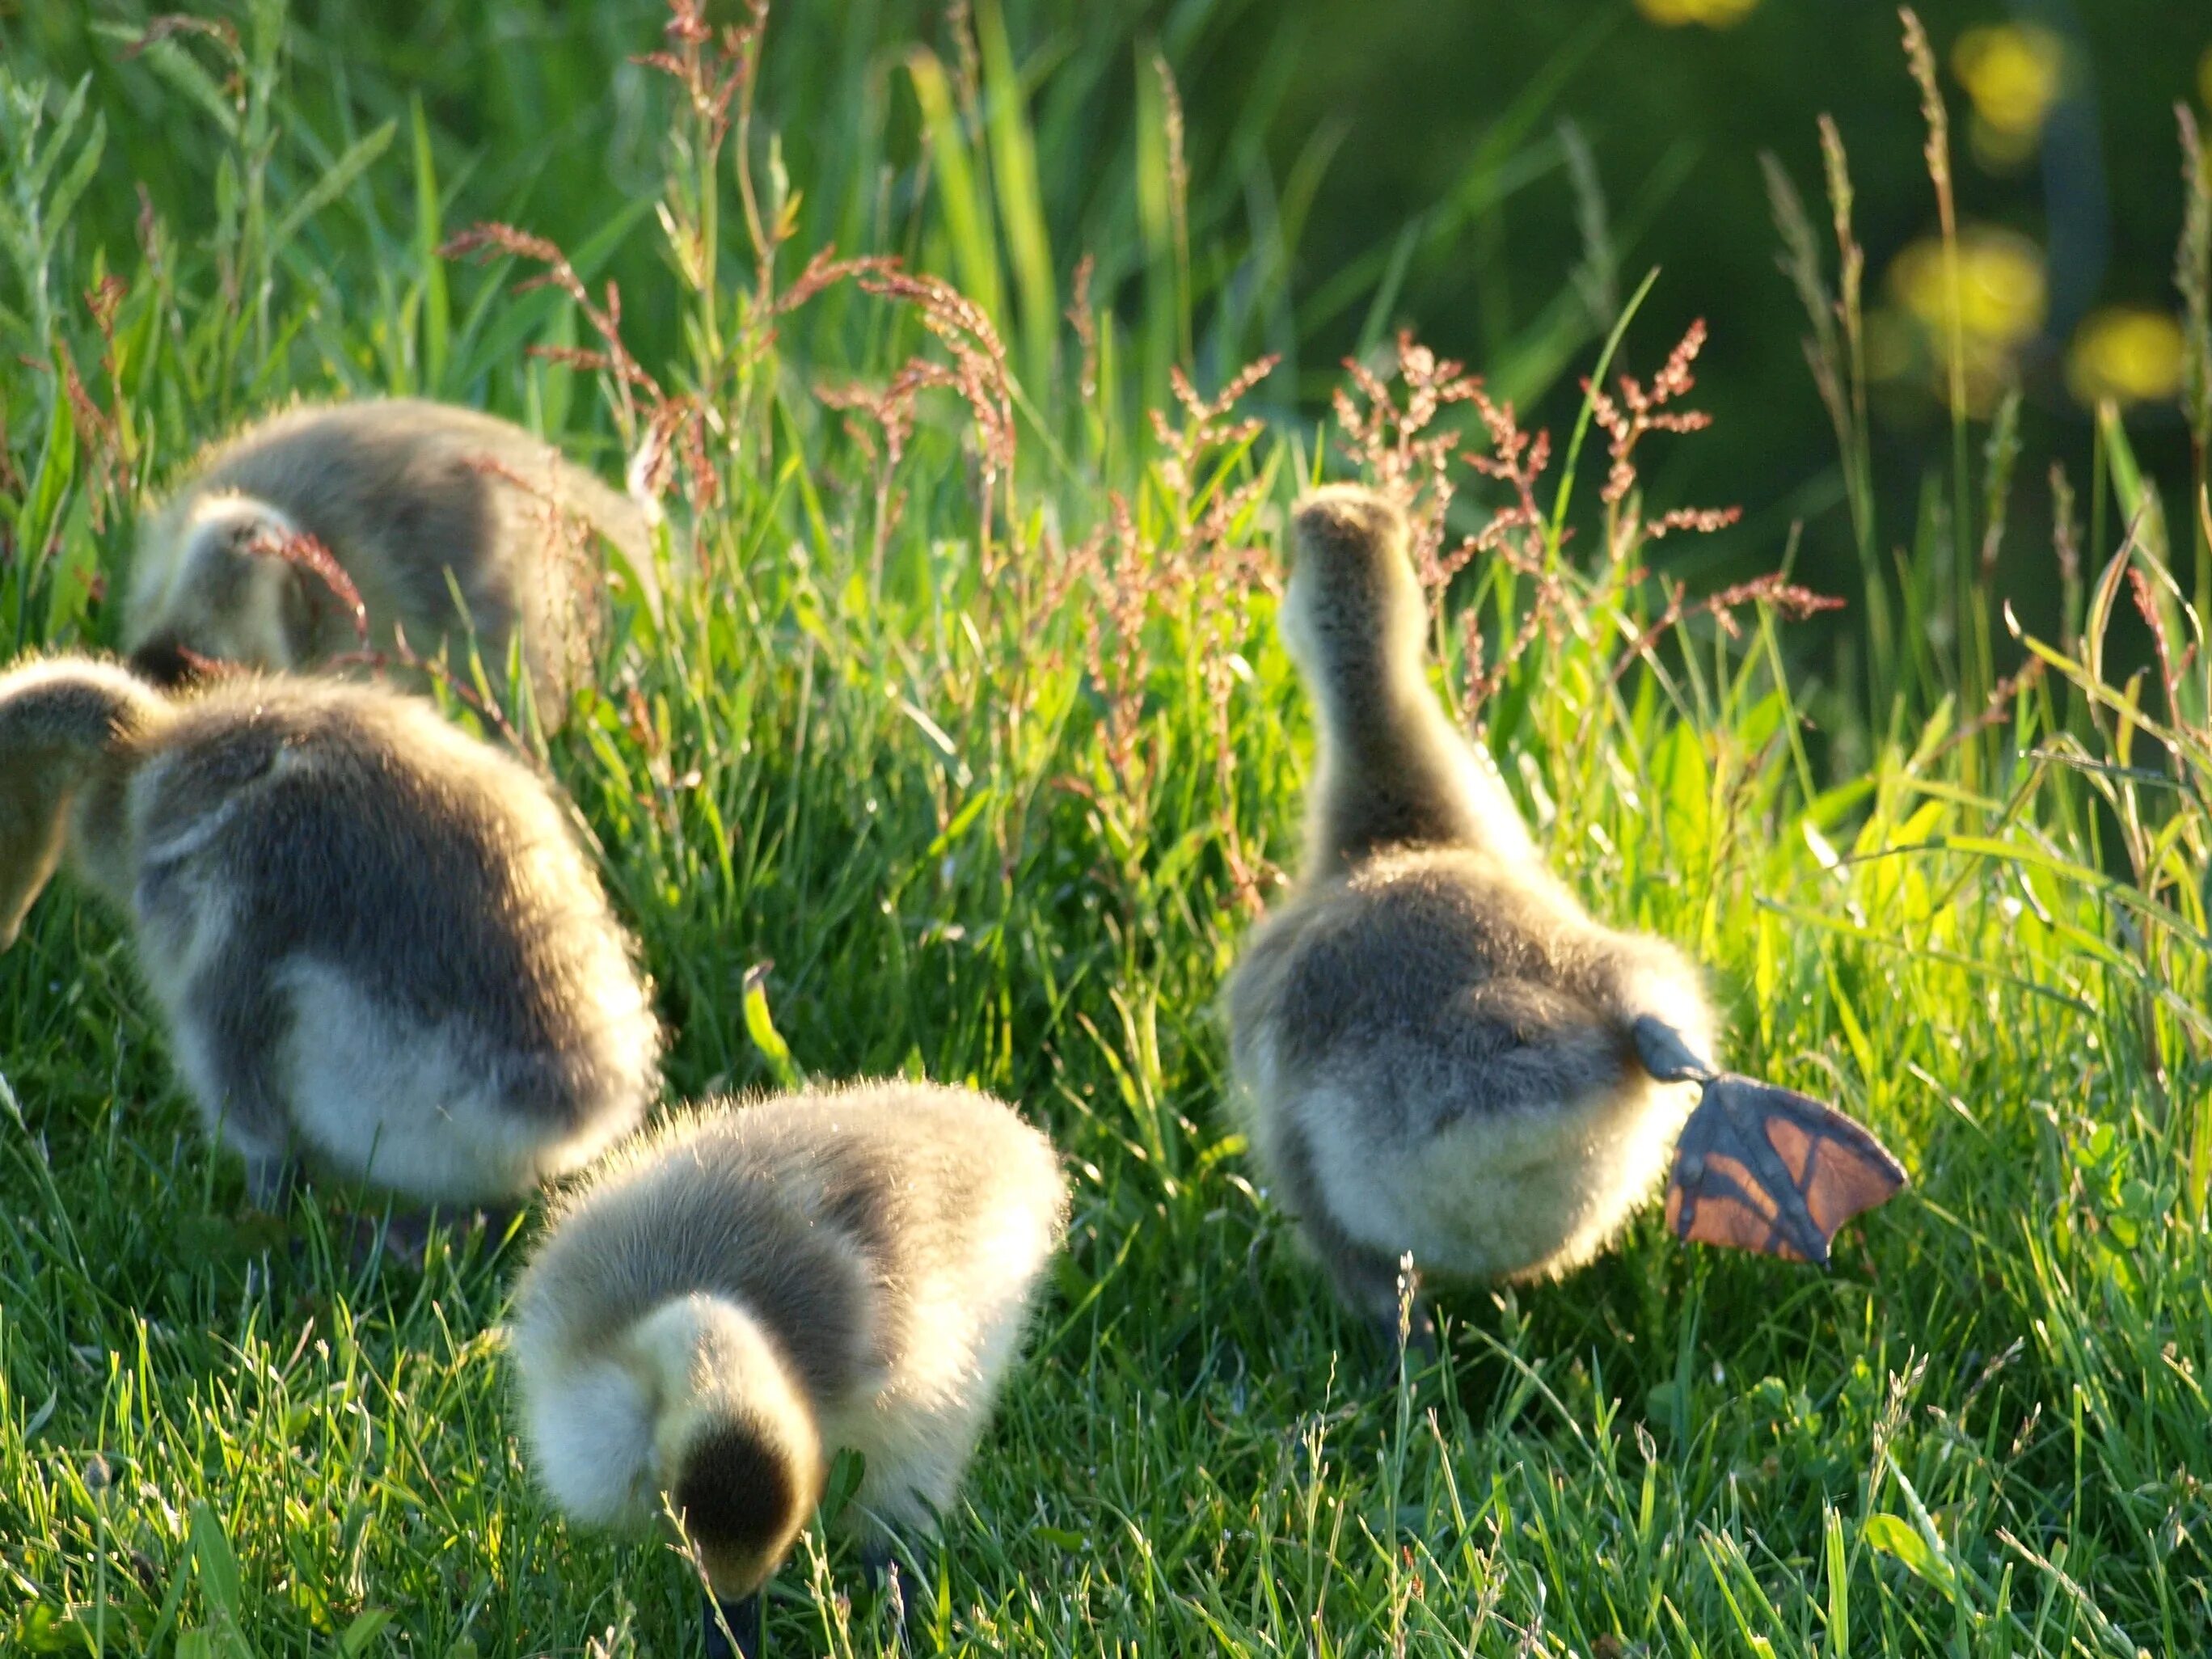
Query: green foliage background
point(993, 769)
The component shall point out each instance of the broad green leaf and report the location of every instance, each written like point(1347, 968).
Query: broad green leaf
point(967, 215)
point(1893, 1535)
point(2138, 493)
point(364, 1630)
point(430, 269)
point(357, 159)
point(60, 207)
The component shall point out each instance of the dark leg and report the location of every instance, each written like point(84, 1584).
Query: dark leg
point(401, 1236)
point(890, 1575)
point(1370, 1285)
point(1663, 1053)
point(743, 1621)
point(243, 1022)
point(404, 1235)
point(877, 1559)
point(1421, 1340)
point(1418, 1328)
point(1366, 1280)
point(269, 1178)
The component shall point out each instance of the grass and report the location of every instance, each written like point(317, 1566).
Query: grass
point(965, 750)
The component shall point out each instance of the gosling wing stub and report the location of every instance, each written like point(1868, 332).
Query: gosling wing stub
point(1768, 1170)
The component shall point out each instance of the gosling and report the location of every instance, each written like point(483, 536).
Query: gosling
point(1435, 1046)
point(444, 520)
point(724, 1306)
point(375, 938)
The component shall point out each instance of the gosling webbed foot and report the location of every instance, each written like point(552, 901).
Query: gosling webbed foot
point(1765, 1169)
point(743, 1622)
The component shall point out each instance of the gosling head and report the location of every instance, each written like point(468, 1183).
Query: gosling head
point(228, 595)
point(57, 718)
point(33, 822)
point(1353, 610)
point(736, 1448)
point(743, 1493)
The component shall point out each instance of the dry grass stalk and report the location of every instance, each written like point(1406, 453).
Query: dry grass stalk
point(626, 375)
point(1157, 593)
point(110, 451)
point(1084, 322)
point(667, 434)
point(977, 373)
point(1402, 450)
point(1403, 453)
point(170, 25)
point(1920, 58)
point(311, 554)
point(1637, 413)
point(2066, 544)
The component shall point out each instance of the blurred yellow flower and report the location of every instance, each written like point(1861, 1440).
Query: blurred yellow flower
point(2205, 77)
point(2002, 301)
point(2012, 71)
point(1713, 13)
point(2013, 74)
point(2126, 354)
point(2001, 287)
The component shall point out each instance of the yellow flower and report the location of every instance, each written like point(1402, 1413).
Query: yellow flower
point(1713, 13)
point(2001, 307)
point(2013, 73)
point(2205, 77)
point(2127, 354)
point(2001, 286)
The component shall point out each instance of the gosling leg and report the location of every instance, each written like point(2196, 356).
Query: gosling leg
point(269, 1180)
point(1663, 1054)
point(743, 1622)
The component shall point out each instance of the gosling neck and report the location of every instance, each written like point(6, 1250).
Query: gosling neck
point(1395, 772)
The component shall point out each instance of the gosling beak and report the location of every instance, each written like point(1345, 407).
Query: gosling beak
point(744, 1620)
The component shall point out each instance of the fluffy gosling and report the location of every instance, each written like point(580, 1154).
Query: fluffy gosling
point(721, 1309)
point(1434, 1044)
point(375, 938)
point(443, 519)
